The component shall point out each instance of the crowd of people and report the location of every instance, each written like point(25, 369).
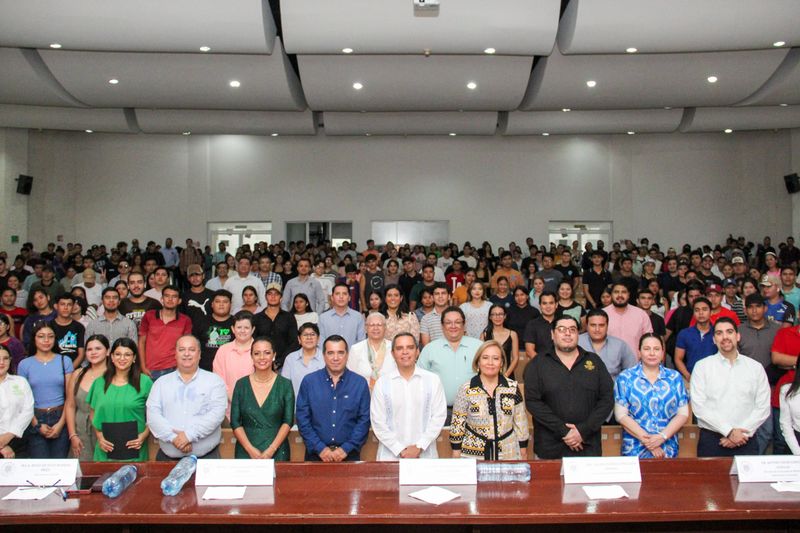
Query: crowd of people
point(101, 349)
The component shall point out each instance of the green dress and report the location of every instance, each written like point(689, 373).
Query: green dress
point(119, 404)
point(261, 424)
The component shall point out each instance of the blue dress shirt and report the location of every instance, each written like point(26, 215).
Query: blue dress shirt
point(349, 325)
point(333, 415)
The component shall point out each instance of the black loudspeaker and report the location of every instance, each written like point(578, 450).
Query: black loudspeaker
point(792, 182)
point(25, 184)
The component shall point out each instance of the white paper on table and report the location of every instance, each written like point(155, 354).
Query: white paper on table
point(786, 486)
point(605, 492)
point(435, 495)
point(29, 493)
point(224, 493)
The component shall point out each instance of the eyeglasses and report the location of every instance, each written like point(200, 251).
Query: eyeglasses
point(567, 329)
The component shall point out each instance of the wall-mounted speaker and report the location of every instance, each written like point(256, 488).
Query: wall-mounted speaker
point(792, 182)
point(24, 184)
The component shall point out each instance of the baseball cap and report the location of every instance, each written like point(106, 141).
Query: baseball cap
point(727, 282)
point(736, 260)
point(649, 260)
point(274, 287)
point(773, 254)
point(194, 269)
point(768, 280)
point(714, 287)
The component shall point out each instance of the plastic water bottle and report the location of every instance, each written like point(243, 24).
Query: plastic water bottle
point(504, 472)
point(119, 481)
point(173, 483)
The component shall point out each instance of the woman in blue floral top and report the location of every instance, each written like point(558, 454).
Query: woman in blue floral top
point(651, 403)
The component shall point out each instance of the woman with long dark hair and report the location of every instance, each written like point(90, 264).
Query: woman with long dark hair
point(48, 374)
point(119, 397)
point(82, 439)
point(398, 317)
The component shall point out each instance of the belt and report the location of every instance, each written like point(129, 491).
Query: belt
point(49, 409)
point(333, 446)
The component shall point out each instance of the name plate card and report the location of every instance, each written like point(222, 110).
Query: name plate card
point(235, 472)
point(438, 472)
point(766, 468)
point(601, 470)
point(44, 472)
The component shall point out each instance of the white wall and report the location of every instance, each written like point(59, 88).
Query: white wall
point(13, 206)
point(672, 188)
point(795, 167)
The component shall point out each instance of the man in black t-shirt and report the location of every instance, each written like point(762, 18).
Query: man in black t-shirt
point(215, 329)
point(568, 269)
point(137, 304)
point(538, 337)
point(595, 281)
point(69, 333)
point(196, 300)
point(645, 301)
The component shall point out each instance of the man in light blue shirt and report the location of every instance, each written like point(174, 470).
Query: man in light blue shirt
point(451, 356)
point(341, 320)
point(186, 408)
point(614, 352)
point(306, 360)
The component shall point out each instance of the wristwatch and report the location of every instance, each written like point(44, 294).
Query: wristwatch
point(663, 436)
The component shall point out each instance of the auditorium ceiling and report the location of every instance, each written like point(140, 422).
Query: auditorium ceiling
point(393, 67)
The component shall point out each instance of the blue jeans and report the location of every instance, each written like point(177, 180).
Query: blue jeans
point(42, 448)
point(764, 434)
point(155, 374)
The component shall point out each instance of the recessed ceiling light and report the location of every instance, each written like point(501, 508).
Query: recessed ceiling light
point(55, 45)
point(728, 130)
point(712, 79)
point(489, 51)
point(667, 107)
point(205, 48)
point(566, 110)
point(631, 50)
point(358, 86)
point(235, 84)
point(591, 83)
point(472, 85)
point(347, 50)
point(89, 131)
point(545, 134)
point(273, 134)
point(783, 105)
point(451, 134)
point(187, 132)
point(367, 134)
point(778, 44)
point(113, 81)
point(631, 133)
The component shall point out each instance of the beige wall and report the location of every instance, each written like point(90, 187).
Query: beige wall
point(13, 206)
point(673, 188)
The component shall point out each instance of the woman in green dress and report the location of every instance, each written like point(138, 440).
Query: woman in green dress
point(120, 396)
point(262, 408)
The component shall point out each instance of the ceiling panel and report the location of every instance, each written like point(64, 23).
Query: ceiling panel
point(648, 81)
point(742, 118)
point(181, 81)
point(515, 27)
point(659, 26)
point(63, 118)
point(26, 81)
point(585, 122)
point(414, 123)
point(232, 26)
point(199, 121)
point(414, 83)
point(783, 87)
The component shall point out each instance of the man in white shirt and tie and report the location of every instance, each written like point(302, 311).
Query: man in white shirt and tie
point(730, 397)
point(408, 407)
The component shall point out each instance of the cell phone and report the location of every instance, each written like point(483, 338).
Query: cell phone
point(83, 485)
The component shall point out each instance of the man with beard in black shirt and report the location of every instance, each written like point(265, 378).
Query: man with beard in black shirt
point(570, 394)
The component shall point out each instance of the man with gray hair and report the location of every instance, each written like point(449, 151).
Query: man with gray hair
point(186, 408)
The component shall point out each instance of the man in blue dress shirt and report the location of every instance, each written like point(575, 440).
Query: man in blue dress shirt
point(333, 408)
point(340, 319)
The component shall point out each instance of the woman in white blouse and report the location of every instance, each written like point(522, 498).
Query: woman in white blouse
point(16, 408)
point(372, 357)
point(790, 413)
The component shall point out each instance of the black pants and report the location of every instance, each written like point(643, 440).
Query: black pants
point(708, 446)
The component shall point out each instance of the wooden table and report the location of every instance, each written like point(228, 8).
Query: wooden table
point(677, 494)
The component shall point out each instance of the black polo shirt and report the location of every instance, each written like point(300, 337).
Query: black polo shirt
point(282, 332)
point(556, 396)
point(596, 283)
point(539, 333)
